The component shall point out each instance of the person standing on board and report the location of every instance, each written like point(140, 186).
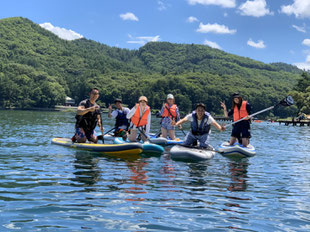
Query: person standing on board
point(170, 115)
point(121, 121)
point(201, 126)
point(87, 118)
point(140, 118)
point(240, 109)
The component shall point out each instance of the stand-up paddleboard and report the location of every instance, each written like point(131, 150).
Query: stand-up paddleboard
point(236, 150)
point(179, 152)
point(153, 139)
point(156, 140)
point(111, 149)
point(147, 147)
point(164, 141)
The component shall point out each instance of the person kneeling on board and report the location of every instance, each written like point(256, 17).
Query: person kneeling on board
point(140, 117)
point(87, 118)
point(240, 109)
point(201, 126)
point(121, 121)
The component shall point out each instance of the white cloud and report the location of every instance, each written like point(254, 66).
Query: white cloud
point(306, 42)
point(143, 39)
point(255, 8)
point(222, 3)
point(215, 28)
point(192, 19)
point(300, 29)
point(61, 32)
point(211, 44)
point(304, 65)
point(129, 16)
point(300, 8)
point(259, 44)
point(161, 5)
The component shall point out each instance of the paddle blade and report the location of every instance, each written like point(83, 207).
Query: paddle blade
point(288, 101)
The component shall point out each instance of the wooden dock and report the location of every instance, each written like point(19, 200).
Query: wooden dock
point(294, 122)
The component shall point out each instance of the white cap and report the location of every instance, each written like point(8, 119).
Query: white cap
point(170, 96)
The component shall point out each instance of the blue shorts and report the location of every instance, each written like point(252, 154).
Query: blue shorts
point(190, 139)
point(166, 124)
point(80, 133)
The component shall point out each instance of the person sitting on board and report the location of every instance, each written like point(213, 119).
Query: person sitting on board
point(121, 121)
point(240, 109)
point(87, 118)
point(170, 115)
point(201, 126)
point(140, 119)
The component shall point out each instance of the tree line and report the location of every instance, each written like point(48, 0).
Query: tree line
point(38, 69)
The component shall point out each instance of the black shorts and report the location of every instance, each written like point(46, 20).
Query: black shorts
point(241, 130)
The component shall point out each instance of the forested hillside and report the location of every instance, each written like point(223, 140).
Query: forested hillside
point(38, 69)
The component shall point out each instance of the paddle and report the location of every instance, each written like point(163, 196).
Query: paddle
point(288, 101)
point(183, 131)
point(141, 131)
point(158, 133)
point(101, 136)
point(101, 127)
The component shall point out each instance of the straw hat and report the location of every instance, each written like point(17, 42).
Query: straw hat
point(142, 98)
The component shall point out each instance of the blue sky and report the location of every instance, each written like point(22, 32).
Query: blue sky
point(264, 30)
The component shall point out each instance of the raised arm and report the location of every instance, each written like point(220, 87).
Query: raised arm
point(225, 109)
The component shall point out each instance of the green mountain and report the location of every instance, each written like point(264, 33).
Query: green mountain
point(38, 69)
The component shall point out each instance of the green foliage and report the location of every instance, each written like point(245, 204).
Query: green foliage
point(301, 94)
point(38, 69)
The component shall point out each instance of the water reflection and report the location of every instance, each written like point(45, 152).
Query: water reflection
point(138, 178)
point(238, 171)
point(88, 172)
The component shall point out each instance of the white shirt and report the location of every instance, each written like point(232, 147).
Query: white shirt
point(148, 125)
point(189, 117)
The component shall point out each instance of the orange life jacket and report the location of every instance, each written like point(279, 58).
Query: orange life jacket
point(172, 110)
point(140, 121)
point(238, 114)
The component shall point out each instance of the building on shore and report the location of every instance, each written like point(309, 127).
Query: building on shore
point(69, 101)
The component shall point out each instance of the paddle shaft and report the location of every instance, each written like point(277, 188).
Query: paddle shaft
point(183, 132)
point(100, 128)
point(109, 130)
point(252, 115)
point(141, 131)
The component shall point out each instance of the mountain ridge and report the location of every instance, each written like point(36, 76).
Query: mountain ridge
point(157, 68)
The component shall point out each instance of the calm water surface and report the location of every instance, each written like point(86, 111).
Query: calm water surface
point(45, 187)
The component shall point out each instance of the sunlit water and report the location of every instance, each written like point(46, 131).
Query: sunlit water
point(45, 187)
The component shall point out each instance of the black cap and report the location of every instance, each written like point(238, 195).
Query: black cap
point(236, 95)
point(200, 105)
point(118, 100)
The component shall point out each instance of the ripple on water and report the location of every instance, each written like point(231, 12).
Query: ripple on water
point(44, 187)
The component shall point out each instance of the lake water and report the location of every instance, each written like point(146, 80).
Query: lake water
point(45, 187)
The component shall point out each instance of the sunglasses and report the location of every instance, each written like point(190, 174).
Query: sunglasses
point(142, 101)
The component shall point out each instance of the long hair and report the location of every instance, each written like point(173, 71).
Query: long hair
point(234, 104)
